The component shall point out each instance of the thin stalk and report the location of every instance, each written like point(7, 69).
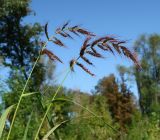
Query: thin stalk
point(49, 106)
point(20, 99)
point(50, 122)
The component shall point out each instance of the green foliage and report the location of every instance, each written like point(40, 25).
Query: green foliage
point(29, 103)
point(144, 129)
point(148, 48)
point(18, 41)
point(84, 125)
point(119, 99)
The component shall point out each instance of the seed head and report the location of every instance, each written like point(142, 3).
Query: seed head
point(71, 63)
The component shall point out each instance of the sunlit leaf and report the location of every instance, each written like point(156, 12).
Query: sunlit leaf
point(27, 127)
point(52, 130)
point(4, 118)
point(28, 94)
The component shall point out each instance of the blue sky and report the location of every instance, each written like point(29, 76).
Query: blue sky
point(126, 19)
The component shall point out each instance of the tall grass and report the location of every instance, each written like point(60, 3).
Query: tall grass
point(90, 46)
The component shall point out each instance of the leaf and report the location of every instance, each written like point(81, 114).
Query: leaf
point(28, 94)
point(27, 127)
point(4, 118)
point(52, 130)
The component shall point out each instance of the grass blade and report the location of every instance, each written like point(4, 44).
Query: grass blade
point(27, 127)
point(28, 94)
point(52, 130)
point(4, 118)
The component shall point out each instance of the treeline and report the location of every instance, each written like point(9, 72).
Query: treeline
point(111, 112)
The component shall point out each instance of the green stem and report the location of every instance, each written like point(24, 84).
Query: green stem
point(50, 122)
point(20, 99)
point(49, 106)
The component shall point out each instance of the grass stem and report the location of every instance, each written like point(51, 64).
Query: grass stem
point(49, 106)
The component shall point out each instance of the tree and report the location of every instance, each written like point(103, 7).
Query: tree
point(119, 99)
point(18, 41)
point(148, 80)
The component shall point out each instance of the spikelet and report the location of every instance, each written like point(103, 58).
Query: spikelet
point(111, 39)
point(116, 47)
point(75, 27)
point(62, 33)
point(58, 42)
point(94, 54)
point(71, 63)
point(69, 35)
point(86, 60)
point(129, 54)
point(85, 45)
point(108, 47)
point(65, 25)
point(125, 51)
point(136, 61)
point(121, 42)
point(51, 55)
point(102, 39)
point(85, 32)
point(58, 30)
point(74, 31)
point(102, 47)
point(94, 50)
point(84, 68)
point(46, 30)
point(97, 41)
